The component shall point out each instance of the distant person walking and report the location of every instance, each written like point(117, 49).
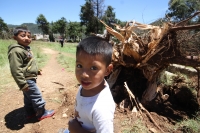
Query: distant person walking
point(61, 41)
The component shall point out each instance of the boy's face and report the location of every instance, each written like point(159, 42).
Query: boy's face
point(91, 70)
point(23, 38)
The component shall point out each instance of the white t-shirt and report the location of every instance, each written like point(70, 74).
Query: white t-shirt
point(96, 113)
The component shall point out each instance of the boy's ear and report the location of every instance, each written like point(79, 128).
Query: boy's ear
point(109, 69)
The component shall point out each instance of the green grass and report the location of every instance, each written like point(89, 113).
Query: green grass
point(3, 50)
point(67, 62)
point(5, 78)
point(190, 125)
point(68, 47)
point(136, 126)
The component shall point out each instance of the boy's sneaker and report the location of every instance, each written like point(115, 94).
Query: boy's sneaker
point(45, 114)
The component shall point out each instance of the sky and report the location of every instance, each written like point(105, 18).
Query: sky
point(17, 12)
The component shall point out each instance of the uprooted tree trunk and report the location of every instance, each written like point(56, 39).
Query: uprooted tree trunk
point(139, 60)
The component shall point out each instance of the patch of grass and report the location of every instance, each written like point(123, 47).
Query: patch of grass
point(67, 62)
point(67, 48)
point(40, 56)
point(189, 126)
point(134, 126)
point(3, 50)
point(6, 77)
point(164, 78)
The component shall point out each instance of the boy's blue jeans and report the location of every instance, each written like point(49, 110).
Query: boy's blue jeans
point(33, 98)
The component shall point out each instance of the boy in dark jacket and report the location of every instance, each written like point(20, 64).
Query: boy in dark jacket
point(24, 71)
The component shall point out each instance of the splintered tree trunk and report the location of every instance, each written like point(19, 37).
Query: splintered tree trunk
point(138, 60)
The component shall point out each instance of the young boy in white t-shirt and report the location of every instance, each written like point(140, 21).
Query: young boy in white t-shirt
point(94, 109)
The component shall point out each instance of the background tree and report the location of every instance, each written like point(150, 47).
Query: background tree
point(74, 30)
point(51, 36)
point(87, 17)
point(181, 9)
point(60, 27)
point(98, 7)
point(109, 16)
point(4, 30)
point(43, 24)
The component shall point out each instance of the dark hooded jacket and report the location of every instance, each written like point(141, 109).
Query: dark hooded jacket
point(22, 64)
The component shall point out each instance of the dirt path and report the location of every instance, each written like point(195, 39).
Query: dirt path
point(54, 83)
point(58, 87)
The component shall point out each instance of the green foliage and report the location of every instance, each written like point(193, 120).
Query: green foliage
point(51, 37)
point(43, 24)
point(87, 17)
point(109, 16)
point(74, 31)
point(60, 26)
point(4, 31)
point(181, 9)
point(91, 12)
point(98, 7)
point(121, 23)
point(3, 26)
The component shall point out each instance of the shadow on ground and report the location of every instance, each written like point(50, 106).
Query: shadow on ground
point(15, 120)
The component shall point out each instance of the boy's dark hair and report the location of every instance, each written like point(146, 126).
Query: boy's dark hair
point(94, 45)
point(20, 29)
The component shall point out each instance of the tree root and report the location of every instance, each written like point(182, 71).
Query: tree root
point(141, 107)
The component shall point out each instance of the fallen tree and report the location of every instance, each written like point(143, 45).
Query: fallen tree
point(139, 59)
